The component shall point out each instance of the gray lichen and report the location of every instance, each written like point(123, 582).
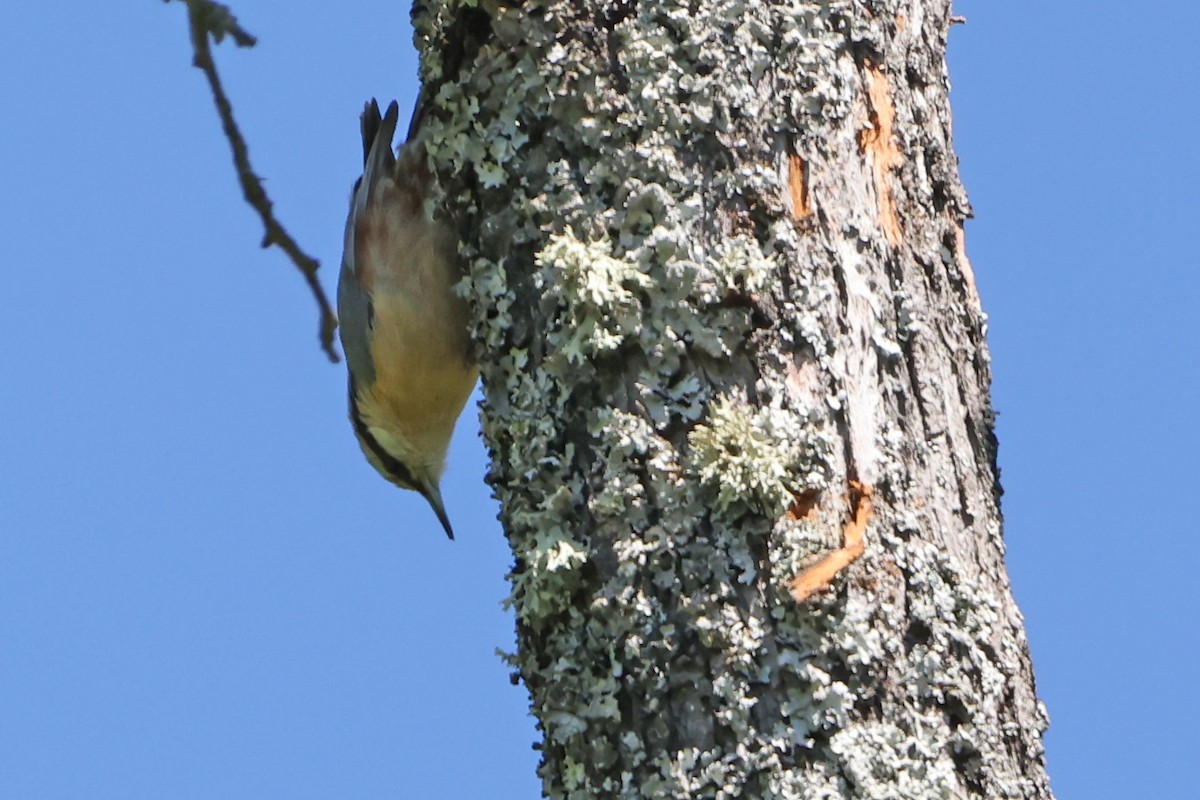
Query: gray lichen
point(671, 362)
point(754, 458)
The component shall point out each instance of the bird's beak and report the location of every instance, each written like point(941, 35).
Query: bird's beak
point(434, 495)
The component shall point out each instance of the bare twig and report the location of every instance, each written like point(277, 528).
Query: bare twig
point(205, 19)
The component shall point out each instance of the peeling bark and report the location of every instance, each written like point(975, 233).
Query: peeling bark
point(717, 265)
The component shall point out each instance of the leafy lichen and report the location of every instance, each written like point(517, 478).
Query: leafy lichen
point(753, 458)
point(593, 296)
point(657, 342)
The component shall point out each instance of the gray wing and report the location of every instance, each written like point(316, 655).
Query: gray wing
point(354, 302)
point(354, 318)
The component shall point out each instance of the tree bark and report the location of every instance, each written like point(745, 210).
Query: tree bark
point(716, 257)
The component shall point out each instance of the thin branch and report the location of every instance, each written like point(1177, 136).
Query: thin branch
point(205, 19)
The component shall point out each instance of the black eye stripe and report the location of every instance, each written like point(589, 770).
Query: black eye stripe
point(393, 465)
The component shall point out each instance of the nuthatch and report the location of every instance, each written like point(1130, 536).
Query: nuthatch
point(403, 329)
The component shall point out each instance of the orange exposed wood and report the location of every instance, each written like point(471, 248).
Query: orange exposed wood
point(798, 188)
point(804, 506)
point(818, 577)
point(878, 143)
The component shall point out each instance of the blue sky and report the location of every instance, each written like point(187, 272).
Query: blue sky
point(205, 592)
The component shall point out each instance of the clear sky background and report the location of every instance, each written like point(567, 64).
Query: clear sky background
point(205, 592)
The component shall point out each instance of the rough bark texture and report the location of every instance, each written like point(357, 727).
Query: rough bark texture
point(716, 256)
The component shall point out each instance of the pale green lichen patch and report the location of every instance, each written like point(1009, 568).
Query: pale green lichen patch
point(753, 458)
point(736, 267)
point(595, 294)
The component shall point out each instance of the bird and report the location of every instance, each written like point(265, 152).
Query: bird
point(403, 328)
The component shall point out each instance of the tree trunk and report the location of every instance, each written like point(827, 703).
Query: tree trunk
point(716, 256)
